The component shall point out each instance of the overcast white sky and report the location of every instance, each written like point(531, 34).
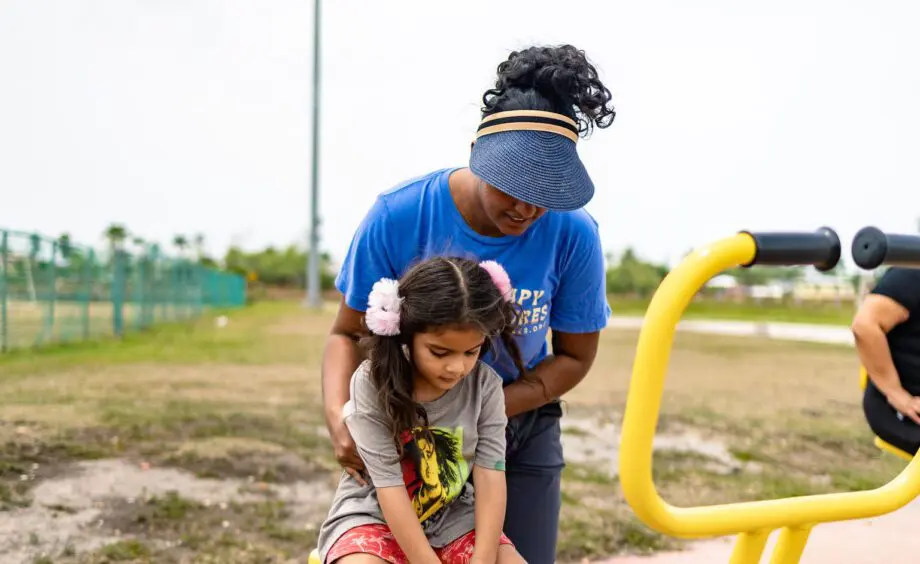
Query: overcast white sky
point(185, 116)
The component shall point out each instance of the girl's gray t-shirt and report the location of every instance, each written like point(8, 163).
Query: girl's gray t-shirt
point(466, 427)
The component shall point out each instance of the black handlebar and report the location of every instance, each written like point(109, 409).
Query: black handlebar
point(873, 248)
point(820, 249)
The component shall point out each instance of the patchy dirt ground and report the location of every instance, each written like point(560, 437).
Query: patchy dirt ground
point(593, 441)
point(92, 504)
point(206, 443)
point(88, 507)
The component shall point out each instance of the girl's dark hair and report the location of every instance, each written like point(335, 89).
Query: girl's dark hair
point(554, 79)
point(438, 293)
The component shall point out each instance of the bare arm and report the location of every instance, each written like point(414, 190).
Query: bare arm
point(491, 499)
point(876, 317)
point(341, 358)
point(403, 523)
point(573, 355)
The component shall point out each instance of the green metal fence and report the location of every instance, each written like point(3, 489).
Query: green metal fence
point(53, 291)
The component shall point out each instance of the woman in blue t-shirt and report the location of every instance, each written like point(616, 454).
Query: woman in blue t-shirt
point(519, 203)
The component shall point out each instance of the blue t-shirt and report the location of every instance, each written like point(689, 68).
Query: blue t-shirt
point(556, 266)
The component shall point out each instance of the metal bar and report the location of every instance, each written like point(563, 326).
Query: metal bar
point(749, 547)
point(51, 321)
point(88, 269)
point(790, 546)
point(4, 322)
point(313, 278)
point(641, 417)
point(199, 289)
point(174, 291)
point(137, 292)
point(118, 294)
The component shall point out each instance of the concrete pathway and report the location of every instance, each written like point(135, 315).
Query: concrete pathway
point(886, 539)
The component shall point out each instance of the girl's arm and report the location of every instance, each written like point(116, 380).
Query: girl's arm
point(403, 523)
point(375, 444)
point(489, 467)
point(491, 496)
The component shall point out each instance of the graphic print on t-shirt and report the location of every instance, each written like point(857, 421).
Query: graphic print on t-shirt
point(433, 466)
point(534, 310)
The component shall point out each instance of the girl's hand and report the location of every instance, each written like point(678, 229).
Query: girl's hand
point(403, 523)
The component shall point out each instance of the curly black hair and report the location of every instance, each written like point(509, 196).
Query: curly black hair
point(555, 79)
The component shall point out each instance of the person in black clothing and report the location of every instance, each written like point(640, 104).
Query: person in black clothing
point(887, 332)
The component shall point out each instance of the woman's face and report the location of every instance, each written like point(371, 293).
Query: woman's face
point(510, 216)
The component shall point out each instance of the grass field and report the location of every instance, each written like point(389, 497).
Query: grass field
point(95, 437)
point(43, 322)
point(40, 323)
point(825, 313)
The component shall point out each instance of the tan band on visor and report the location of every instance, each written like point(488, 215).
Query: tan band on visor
point(529, 120)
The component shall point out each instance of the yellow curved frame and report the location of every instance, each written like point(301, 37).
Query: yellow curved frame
point(751, 521)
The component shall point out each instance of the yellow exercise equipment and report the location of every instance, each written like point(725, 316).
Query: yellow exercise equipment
point(752, 522)
point(887, 447)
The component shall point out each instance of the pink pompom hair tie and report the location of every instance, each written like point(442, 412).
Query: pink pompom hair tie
point(382, 316)
point(499, 277)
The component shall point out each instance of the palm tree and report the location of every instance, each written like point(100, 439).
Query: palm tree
point(116, 234)
point(181, 243)
point(65, 246)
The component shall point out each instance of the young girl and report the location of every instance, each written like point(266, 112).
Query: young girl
point(425, 413)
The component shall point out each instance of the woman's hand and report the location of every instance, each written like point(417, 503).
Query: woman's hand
point(906, 404)
point(346, 452)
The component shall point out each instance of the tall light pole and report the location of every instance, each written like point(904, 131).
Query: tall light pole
point(314, 298)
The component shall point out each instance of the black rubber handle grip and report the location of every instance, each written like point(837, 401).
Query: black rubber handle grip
point(873, 248)
point(820, 249)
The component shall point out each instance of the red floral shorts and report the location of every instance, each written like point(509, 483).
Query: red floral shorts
point(377, 540)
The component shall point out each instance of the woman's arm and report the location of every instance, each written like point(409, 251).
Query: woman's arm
point(573, 355)
point(578, 312)
point(876, 317)
point(366, 261)
point(341, 357)
point(404, 524)
point(491, 498)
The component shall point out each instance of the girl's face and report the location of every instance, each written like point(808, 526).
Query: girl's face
point(443, 358)
point(509, 215)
